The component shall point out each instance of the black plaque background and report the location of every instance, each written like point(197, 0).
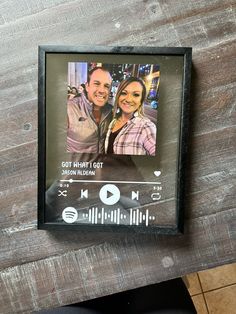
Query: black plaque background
point(172, 125)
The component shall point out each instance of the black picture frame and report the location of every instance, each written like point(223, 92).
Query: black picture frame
point(183, 55)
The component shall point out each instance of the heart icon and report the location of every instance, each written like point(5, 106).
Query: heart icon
point(157, 173)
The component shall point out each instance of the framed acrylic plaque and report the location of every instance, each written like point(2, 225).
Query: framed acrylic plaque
point(113, 127)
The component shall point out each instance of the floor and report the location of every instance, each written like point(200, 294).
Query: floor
point(213, 291)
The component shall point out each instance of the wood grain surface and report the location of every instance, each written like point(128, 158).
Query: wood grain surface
point(40, 269)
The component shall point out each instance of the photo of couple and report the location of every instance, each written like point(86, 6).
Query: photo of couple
point(113, 109)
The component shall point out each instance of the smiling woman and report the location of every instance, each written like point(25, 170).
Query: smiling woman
point(130, 132)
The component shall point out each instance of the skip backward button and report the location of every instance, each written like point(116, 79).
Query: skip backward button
point(109, 194)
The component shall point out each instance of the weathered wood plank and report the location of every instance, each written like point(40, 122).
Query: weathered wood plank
point(19, 88)
point(218, 101)
point(18, 167)
point(19, 126)
point(76, 275)
point(39, 269)
point(23, 9)
point(200, 29)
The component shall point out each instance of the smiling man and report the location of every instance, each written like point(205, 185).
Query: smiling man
point(89, 117)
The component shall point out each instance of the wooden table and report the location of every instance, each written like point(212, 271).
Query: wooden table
point(40, 269)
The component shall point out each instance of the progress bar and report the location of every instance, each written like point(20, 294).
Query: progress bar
point(105, 182)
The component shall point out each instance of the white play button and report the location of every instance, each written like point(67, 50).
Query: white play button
point(109, 194)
